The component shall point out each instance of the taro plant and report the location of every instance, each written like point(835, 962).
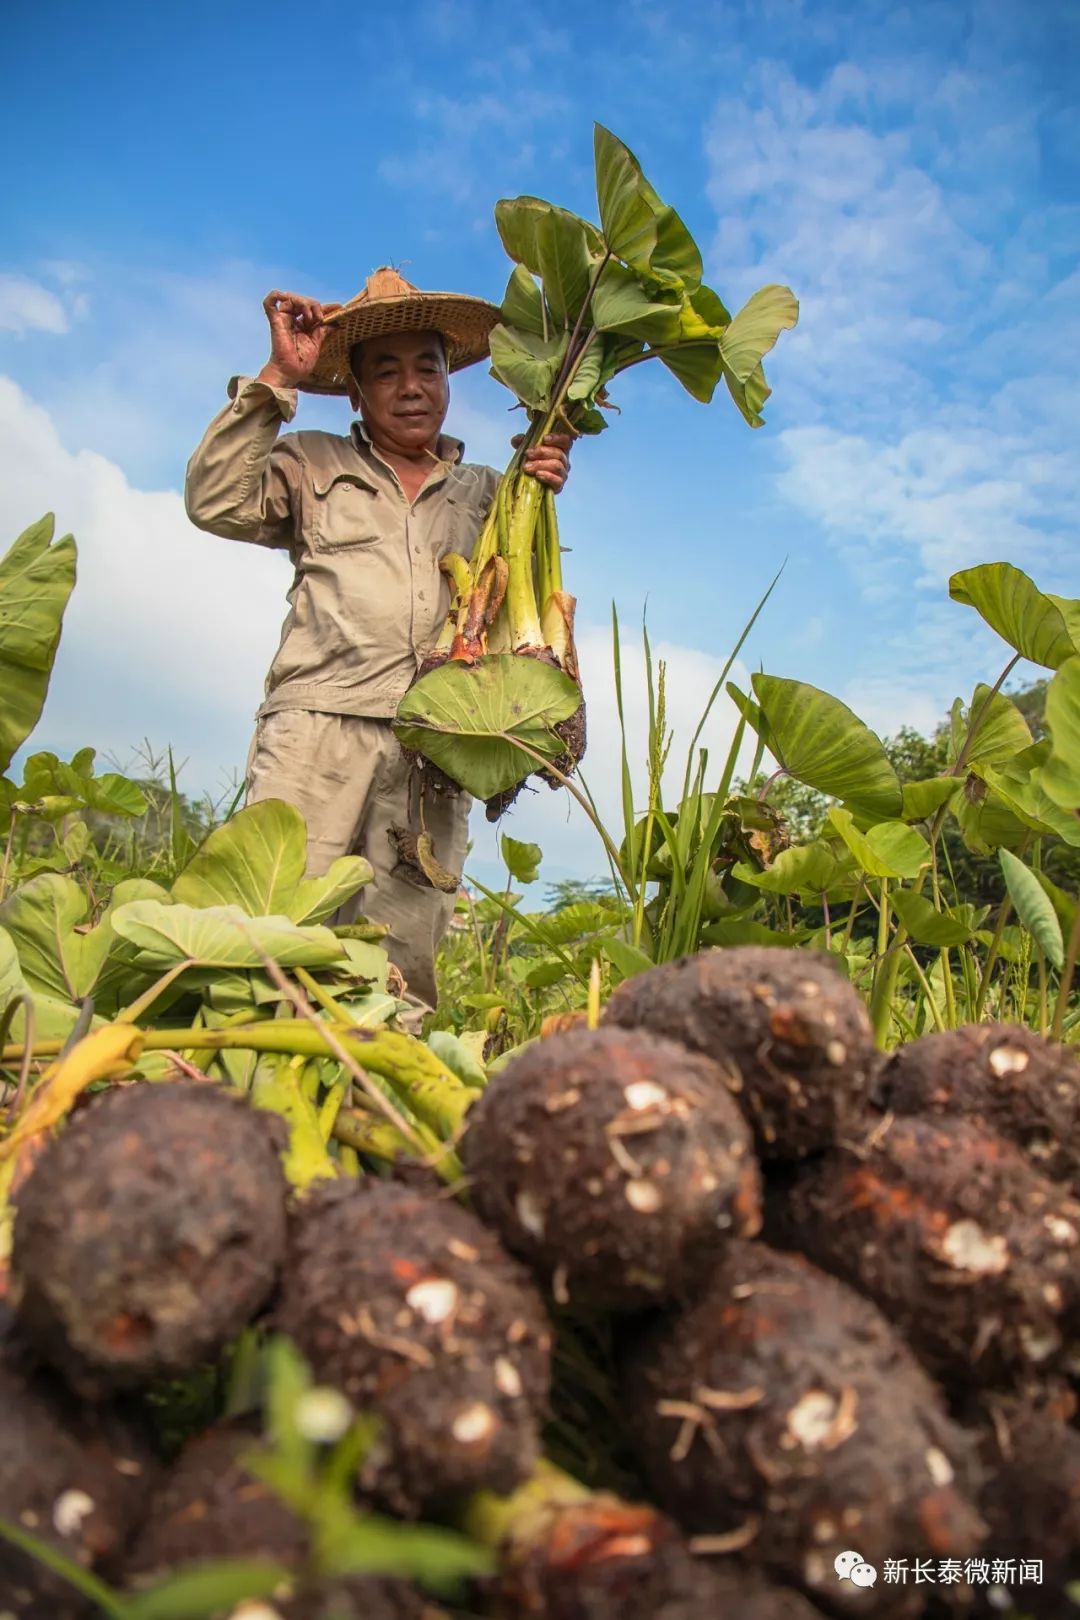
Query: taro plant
point(37, 576)
point(500, 695)
point(873, 880)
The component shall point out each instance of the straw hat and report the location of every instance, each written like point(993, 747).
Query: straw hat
point(389, 303)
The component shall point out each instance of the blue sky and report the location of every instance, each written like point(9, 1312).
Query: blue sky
point(913, 172)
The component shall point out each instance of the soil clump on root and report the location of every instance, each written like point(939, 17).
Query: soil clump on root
point(208, 1506)
point(783, 1415)
point(409, 1306)
point(606, 1560)
point(149, 1233)
point(1003, 1076)
point(1031, 1492)
point(75, 1481)
point(616, 1163)
point(791, 1034)
point(968, 1250)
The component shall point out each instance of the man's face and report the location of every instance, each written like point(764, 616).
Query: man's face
point(405, 390)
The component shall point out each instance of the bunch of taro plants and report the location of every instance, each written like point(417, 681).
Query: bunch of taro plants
point(874, 885)
point(500, 695)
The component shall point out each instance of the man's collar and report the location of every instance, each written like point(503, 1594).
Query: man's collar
point(448, 449)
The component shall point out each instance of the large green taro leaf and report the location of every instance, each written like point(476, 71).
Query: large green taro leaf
point(803, 869)
point(891, 849)
point(42, 917)
point(50, 1018)
point(56, 787)
point(755, 329)
point(220, 936)
point(468, 719)
point(256, 861)
point(622, 305)
point(36, 579)
point(750, 395)
point(1035, 624)
point(519, 221)
point(639, 228)
point(1060, 776)
point(818, 740)
point(523, 303)
point(1020, 783)
point(928, 926)
point(1001, 732)
point(924, 799)
point(526, 363)
point(12, 983)
point(566, 265)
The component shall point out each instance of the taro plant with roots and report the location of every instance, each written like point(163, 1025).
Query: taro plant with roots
point(500, 695)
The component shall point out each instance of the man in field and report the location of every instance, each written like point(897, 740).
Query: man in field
point(365, 517)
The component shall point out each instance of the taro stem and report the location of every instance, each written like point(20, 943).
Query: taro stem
point(456, 570)
point(431, 1091)
point(526, 634)
point(470, 642)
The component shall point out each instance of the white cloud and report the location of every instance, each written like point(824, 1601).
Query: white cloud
point(27, 306)
point(950, 497)
point(166, 627)
point(930, 382)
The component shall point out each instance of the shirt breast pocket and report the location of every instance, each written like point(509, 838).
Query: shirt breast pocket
point(342, 513)
point(466, 519)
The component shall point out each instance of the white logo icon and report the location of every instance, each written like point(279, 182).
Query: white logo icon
point(851, 1566)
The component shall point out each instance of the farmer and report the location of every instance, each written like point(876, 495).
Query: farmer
point(365, 517)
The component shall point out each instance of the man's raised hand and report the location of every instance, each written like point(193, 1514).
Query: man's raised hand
point(296, 337)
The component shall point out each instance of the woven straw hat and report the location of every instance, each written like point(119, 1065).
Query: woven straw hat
point(389, 303)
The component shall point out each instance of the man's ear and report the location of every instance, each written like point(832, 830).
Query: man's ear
point(354, 392)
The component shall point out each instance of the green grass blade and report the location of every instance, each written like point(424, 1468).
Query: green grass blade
point(531, 928)
point(725, 672)
point(109, 1603)
point(627, 782)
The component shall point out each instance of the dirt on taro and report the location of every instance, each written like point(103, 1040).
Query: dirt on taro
point(409, 1305)
point(674, 1311)
point(792, 1035)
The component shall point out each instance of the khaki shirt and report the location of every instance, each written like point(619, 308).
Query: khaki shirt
point(367, 599)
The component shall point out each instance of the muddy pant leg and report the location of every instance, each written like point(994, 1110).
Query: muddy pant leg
point(324, 766)
point(418, 917)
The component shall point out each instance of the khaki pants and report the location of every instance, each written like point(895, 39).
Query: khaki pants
point(350, 782)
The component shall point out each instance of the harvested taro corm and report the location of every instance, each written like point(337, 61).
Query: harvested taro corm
point(1031, 1492)
point(969, 1251)
point(781, 1416)
point(1010, 1079)
point(792, 1036)
point(615, 1162)
point(75, 1480)
point(609, 1560)
point(410, 1307)
point(208, 1506)
point(149, 1233)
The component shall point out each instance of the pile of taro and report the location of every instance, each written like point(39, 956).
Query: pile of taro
point(842, 1292)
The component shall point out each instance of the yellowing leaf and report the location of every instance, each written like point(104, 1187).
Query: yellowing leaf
point(95, 1057)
